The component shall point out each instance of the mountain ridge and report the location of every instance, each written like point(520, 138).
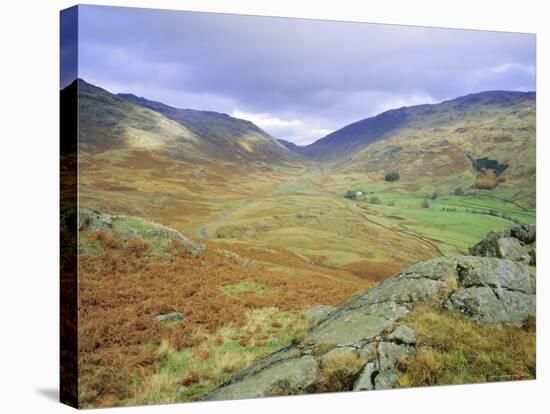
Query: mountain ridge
point(377, 126)
point(434, 147)
point(219, 128)
point(385, 122)
point(126, 119)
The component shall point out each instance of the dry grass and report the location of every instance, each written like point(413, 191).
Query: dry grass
point(456, 350)
point(190, 372)
point(375, 270)
point(487, 180)
point(339, 373)
point(125, 284)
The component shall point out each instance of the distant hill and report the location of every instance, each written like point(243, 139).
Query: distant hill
point(442, 147)
point(358, 135)
point(296, 149)
point(288, 144)
point(220, 132)
point(435, 147)
point(108, 121)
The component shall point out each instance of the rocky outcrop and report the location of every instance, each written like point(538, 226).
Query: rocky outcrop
point(495, 291)
point(317, 314)
point(129, 227)
point(288, 376)
point(517, 244)
point(367, 332)
point(93, 221)
point(170, 317)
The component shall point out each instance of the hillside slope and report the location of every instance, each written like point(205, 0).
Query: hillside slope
point(296, 149)
point(442, 147)
point(136, 160)
point(356, 136)
point(107, 122)
point(221, 133)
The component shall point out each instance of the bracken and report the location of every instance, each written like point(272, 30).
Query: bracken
point(124, 285)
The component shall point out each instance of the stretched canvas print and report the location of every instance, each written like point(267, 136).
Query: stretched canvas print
point(259, 206)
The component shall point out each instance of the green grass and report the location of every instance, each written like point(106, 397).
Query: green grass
point(243, 287)
point(313, 219)
point(224, 204)
point(298, 186)
point(189, 373)
point(477, 203)
point(453, 233)
point(453, 223)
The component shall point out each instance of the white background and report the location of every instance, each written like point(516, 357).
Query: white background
point(29, 330)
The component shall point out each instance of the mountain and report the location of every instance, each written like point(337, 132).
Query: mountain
point(288, 144)
point(358, 135)
point(220, 132)
point(442, 147)
point(135, 160)
point(108, 121)
point(435, 147)
point(352, 137)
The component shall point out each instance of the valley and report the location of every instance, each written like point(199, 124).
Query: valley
point(302, 209)
point(283, 230)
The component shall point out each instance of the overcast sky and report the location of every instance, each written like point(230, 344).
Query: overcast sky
point(297, 79)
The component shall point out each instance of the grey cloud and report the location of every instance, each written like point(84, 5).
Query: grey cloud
point(323, 73)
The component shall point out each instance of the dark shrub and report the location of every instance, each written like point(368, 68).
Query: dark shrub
point(392, 176)
point(374, 200)
point(350, 194)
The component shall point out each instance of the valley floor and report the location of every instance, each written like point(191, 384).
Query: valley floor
point(278, 242)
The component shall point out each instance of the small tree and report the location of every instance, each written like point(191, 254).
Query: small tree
point(350, 194)
point(392, 176)
point(459, 191)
